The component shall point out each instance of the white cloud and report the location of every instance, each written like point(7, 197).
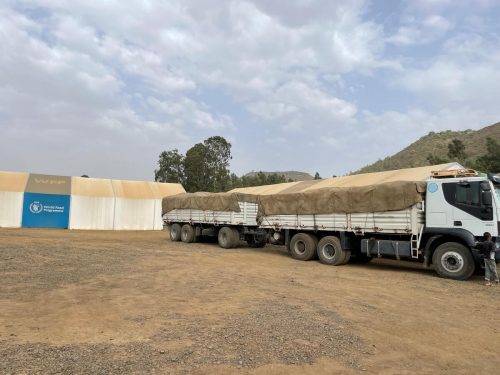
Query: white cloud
point(137, 77)
point(466, 73)
point(296, 105)
point(421, 30)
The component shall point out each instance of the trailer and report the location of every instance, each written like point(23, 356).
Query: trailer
point(230, 227)
point(439, 224)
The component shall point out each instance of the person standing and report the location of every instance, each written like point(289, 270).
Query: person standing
point(490, 266)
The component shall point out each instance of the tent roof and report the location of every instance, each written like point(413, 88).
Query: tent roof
point(266, 189)
point(13, 181)
point(162, 189)
point(132, 189)
point(91, 187)
point(407, 174)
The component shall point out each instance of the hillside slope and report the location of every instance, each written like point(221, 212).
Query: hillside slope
point(415, 155)
point(289, 175)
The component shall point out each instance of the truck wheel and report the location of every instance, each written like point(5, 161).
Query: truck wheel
point(175, 232)
point(330, 251)
point(303, 246)
point(453, 261)
point(188, 233)
point(236, 237)
point(347, 256)
point(226, 238)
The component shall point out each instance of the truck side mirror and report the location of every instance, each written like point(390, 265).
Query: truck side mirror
point(486, 199)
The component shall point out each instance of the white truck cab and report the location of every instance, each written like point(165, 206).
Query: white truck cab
point(458, 212)
point(470, 204)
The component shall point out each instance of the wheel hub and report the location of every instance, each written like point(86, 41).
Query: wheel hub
point(452, 261)
point(300, 247)
point(328, 251)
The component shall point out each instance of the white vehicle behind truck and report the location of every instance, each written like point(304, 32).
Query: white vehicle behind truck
point(443, 228)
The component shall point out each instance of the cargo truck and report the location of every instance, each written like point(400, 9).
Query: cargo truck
point(443, 226)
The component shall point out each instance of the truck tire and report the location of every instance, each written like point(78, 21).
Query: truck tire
point(226, 238)
point(303, 246)
point(175, 232)
point(330, 251)
point(188, 233)
point(347, 256)
point(453, 260)
point(236, 237)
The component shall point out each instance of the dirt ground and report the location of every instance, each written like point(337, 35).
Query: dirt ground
point(78, 302)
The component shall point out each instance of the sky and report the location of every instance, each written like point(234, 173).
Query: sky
point(101, 88)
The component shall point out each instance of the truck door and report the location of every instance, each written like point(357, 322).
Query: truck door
point(472, 206)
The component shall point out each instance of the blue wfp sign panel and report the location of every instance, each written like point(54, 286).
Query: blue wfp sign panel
point(46, 201)
point(45, 210)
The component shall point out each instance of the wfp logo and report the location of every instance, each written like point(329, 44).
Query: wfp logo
point(36, 207)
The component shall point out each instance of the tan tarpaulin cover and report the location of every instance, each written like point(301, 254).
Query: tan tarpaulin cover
point(207, 201)
point(389, 196)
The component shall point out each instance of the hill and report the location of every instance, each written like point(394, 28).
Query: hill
point(436, 144)
point(289, 175)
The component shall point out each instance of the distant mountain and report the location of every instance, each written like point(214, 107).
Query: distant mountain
point(436, 144)
point(289, 175)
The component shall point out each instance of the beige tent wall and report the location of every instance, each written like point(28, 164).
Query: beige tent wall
point(161, 190)
point(92, 204)
point(12, 185)
point(96, 204)
point(134, 205)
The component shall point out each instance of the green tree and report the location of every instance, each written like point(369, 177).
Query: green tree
point(490, 161)
point(317, 176)
point(218, 156)
point(236, 182)
point(195, 169)
point(434, 160)
point(456, 150)
point(171, 167)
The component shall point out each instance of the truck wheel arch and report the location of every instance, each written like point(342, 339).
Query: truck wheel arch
point(438, 236)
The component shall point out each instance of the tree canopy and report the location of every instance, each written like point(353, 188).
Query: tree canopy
point(205, 167)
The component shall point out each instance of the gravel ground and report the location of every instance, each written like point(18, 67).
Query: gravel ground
point(272, 333)
point(135, 303)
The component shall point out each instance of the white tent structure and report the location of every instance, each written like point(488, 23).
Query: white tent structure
point(407, 174)
point(138, 203)
point(161, 190)
point(92, 204)
point(118, 204)
point(12, 185)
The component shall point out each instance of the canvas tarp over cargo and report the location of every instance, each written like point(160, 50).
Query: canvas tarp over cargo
point(207, 201)
point(389, 196)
